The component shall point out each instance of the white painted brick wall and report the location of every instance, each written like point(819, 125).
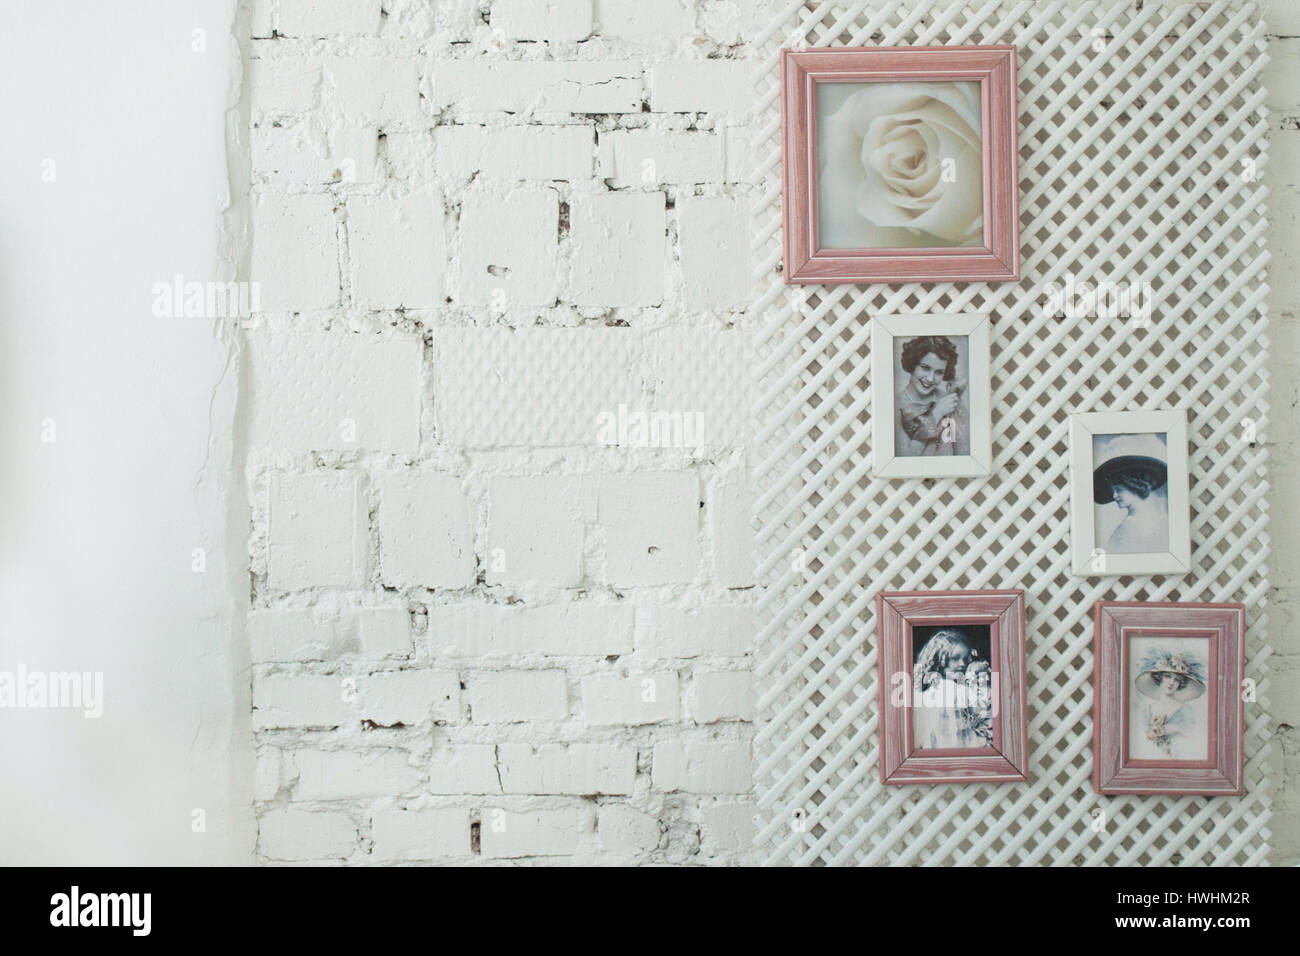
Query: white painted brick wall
point(497, 404)
point(567, 768)
point(514, 834)
point(512, 697)
point(434, 834)
point(290, 834)
point(424, 531)
point(317, 530)
point(626, 700)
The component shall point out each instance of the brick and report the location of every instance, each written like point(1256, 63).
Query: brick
point(701, 86)
point(529, 833)
point(464, 768)
point(458, 151)
point(723, 695)
point(303, 153)
point(727, 827)
point(385, 633)
point(291, 834)
point(573, 629)
point(567, 768)
point(432, 834)
point(397, 251)
point(344, 774)
point(295, 259)
point(618, 242)
point(666, 19)
point(452, 20)
point(626, 830)
point(334, 391)
point(542, 19)
point(317, 533)
point(374, 90)
point(538, 152)
point(739, 154)
point(410, 698)
point(268, 775)
point(648, 158)
point(323, 18)
point(730, 22)
point(535, 531)
point(281, 635)
point(651, 522)
point(487, 84)
point(711, 631)
point(289, 634)
point(315, 702)
point(714, 236)
point(496, 387)
point(638, 698)
point(283, 84)
point(702, 766)
point(508, 247)
point(730, 507)
point(511, 697)
point(425, 538)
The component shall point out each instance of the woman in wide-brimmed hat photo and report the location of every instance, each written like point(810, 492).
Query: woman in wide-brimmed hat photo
point(1130, 472)
point(1166, 684)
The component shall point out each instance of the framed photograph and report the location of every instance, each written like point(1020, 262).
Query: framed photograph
point(900, 164)
point(930, 395)
point(952, 686)
point(1167, 698)
point(1129, 511)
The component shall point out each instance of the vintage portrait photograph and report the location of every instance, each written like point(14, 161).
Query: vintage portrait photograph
point(1167, 701)
point(931, 392)
point(1168, 697)
point(1129, 493)
point(952, 687)
point(900, 164)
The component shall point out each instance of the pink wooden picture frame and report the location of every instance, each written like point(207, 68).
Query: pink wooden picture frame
point(1218, 628)
point(994, 68)
point(904, 618)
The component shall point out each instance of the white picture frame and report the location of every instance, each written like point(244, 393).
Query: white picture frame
point(885, 330)
point(1088, 559)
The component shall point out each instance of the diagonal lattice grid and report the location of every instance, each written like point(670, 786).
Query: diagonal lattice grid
point(1142, 132)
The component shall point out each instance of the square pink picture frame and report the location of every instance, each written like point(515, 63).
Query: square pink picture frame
point(1218, 629)
point(900, 615)
point(994, 68)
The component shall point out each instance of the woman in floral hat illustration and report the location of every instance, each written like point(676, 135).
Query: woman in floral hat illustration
point(931, 417)
point(1168, 726)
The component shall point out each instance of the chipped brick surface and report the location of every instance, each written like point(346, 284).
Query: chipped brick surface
point(497, 403)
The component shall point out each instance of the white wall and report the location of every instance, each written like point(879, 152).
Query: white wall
point(97, 528)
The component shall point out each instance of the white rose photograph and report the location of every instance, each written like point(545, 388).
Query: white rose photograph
point(899, 165)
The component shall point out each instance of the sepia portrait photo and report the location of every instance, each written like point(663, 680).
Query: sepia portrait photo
point(931, 395)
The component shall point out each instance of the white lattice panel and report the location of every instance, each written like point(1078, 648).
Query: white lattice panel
point(1134, 166)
